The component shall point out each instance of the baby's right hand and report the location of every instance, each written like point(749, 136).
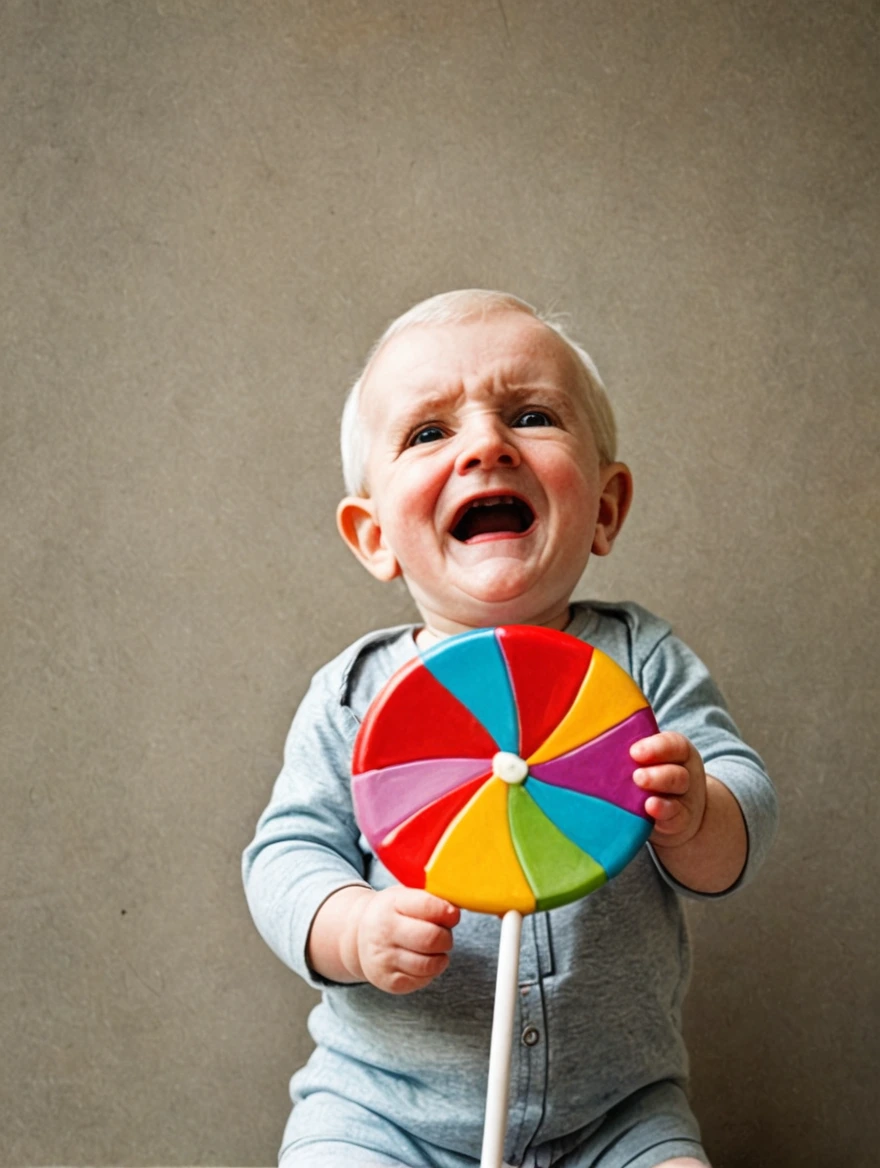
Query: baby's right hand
point(401, 938)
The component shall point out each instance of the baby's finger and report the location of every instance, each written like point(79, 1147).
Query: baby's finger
point(398, 982)
point(423, 937)
point(422, 966)
point(424, 906)
point(671, 779)
point(666, 813)
point(669, 746)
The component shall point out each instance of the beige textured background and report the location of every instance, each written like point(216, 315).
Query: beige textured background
point(209, 210)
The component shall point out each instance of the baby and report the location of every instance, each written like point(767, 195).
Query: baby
point(479, 453)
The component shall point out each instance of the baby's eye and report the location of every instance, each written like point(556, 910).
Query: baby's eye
point(534, 418)
point(426, 434)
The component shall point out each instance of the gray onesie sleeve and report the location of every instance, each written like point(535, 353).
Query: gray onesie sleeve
point(685, 698)
point(306, 844)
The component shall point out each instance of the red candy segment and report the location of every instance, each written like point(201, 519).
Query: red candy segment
point(547, 669)
point(424, 720)
point(405, 852)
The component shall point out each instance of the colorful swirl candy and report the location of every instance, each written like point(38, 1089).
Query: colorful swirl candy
point(494, 770)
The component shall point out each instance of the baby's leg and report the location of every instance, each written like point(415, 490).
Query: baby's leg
point(654, 1128)
point(335, 1154)
point(327, 1131)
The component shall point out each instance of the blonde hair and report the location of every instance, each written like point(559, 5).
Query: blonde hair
point(455, 308)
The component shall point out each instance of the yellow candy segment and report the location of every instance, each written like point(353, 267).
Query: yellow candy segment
point(608, 695)
point(475, 864)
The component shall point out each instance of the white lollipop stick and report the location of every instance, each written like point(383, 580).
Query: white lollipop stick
point(495, 1127)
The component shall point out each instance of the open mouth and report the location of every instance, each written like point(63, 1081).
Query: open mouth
point(492, 515)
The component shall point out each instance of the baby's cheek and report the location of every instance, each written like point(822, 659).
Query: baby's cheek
point(414, 541)
point(407, 515)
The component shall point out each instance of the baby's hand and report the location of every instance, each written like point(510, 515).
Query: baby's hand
point(670, 768)
point(403, 937)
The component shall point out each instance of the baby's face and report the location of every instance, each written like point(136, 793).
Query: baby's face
point(485, 487)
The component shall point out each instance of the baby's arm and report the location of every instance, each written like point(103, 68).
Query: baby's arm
point(699, 832)
point(712, 831)
point(397, 939)
point(304, 871)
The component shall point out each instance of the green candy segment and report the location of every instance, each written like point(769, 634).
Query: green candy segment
point(556, 869)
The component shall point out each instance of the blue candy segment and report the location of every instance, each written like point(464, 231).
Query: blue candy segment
point(609, 834)
point(472, 668)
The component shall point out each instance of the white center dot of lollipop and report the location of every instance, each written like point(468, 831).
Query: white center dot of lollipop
point(510, 767)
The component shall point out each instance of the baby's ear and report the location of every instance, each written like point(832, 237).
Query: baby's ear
point(614, 503)
point(358, 526)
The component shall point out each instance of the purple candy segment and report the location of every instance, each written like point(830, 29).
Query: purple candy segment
point(386, 797)
point(602, 767)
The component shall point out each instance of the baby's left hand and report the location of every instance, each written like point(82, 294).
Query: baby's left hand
point(670, 767)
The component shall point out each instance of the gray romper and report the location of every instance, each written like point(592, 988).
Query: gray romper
point(599, 1072)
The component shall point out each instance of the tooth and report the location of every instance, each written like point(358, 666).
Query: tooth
point(494, 501)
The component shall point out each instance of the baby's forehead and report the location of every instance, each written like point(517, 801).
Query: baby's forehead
point(512, 349)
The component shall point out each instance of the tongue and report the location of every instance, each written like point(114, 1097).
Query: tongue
point(483, 520)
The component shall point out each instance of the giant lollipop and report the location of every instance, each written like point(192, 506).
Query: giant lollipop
point(493, 770)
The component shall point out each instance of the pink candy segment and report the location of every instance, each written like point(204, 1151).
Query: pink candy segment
point(386, 797)
point(602, 767)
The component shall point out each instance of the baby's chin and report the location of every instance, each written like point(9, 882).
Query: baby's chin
point(494, 597)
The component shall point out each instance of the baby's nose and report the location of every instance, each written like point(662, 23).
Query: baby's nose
point(487, 444)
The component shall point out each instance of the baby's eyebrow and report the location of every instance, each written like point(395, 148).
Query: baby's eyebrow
point(540, 392)
point(429, 405)
point(435, 402)
point(528, 389)
point(432, 405)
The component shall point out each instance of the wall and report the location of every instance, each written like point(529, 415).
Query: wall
point(209, 211)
